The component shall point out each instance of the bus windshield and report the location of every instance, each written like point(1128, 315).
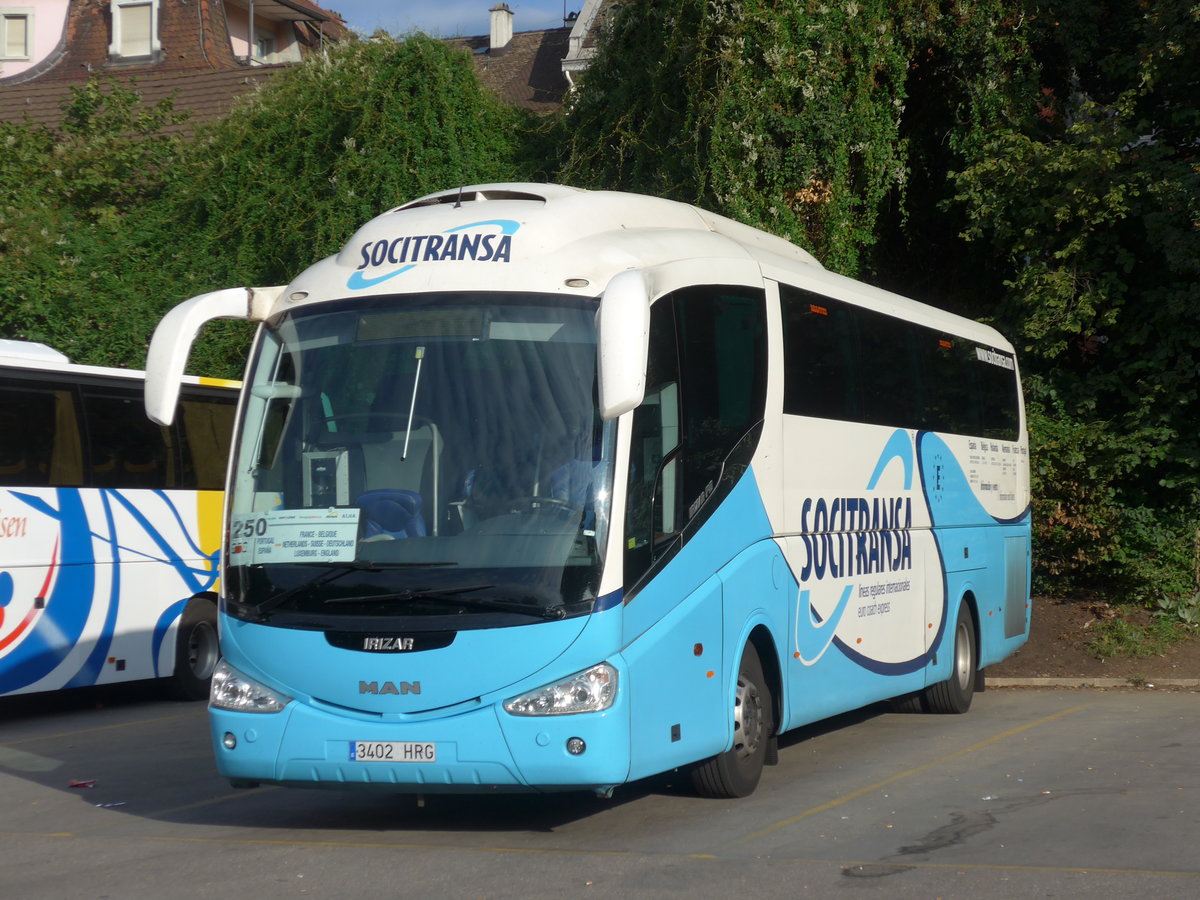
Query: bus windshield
point(436, 458)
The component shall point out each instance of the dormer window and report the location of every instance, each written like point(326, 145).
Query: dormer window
point(16, 33)
point(134, 30)
point(264, 45)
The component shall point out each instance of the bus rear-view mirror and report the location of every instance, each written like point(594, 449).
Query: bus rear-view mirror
point(623, 331)
point(175, 334)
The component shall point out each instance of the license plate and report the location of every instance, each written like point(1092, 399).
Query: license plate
point(393, 751)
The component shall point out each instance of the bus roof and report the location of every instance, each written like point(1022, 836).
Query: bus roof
point(549, 238)
point(563, 239)
point(39, 357)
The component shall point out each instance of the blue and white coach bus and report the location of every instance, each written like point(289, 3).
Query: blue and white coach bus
point(537, 488)
point(110, 526)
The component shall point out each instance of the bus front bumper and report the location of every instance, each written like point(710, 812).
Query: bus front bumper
point(479, 750)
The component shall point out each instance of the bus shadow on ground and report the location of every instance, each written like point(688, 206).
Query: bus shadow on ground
point(182, 786)
point(31, 707)
point(340, 811)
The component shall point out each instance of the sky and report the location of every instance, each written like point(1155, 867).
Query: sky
point(446, 18)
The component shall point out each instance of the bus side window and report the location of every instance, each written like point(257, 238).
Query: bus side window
point(651, 505)
point(206, 424)
point(723, 352)
point(126, 449)
point(695, 432)
point(887, 366)
point(39, 437)
point(820, 378)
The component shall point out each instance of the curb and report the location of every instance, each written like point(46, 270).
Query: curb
point(1093, 682)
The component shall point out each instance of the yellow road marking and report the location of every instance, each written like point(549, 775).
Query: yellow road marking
point(899, 776)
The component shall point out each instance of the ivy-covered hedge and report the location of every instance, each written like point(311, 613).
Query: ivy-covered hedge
point(1034, 165)
point(109, 224)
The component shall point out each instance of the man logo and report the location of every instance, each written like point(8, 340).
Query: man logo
point(389, 687)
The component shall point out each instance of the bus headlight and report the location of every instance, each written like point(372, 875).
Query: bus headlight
point(591, 690)
point(240, 693)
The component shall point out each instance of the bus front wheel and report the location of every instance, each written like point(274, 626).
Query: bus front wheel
point(735, 773)
point(196, 651)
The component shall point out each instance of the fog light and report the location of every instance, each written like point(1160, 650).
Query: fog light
point(575, 746)
point(228, 741)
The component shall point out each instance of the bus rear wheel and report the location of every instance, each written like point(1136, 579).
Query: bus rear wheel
point(736, 772)
point(954, 694)
point(196, 651)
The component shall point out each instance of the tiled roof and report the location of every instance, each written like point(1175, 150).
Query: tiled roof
point(527, 72)
point(196, 64)
point(206, 95)
point(298, 9)
point(206, 79)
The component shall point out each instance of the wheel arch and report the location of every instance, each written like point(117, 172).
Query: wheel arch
point(196, 647)
point(768, 657)
point(972, 603)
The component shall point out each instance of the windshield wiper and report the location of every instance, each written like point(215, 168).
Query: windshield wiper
point(333, 573)
point(454, 596)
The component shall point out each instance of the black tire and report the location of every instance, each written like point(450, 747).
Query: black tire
point(196, 651)
point(909, 703)
point(736, 772)
point(954, 694)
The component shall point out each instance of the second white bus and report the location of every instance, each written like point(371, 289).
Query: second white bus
point(109, 526)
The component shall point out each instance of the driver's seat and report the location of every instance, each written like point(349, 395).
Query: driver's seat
point(391, 513)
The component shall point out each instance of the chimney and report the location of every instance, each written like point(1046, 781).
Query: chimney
point(502, 18)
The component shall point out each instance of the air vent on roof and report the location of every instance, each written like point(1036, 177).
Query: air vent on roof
point(469, 196)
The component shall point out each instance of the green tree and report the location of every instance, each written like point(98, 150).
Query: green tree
point(792, 117)
point(66, 197)
point(287, 177)
point(108, 223)
point(1092, 213)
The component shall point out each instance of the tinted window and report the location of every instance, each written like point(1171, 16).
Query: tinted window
point(125, 449)
point(696, 430)
point(858, 365)
point(56, 433)
point(722, 348)
point(205, 425)
point(39, 436)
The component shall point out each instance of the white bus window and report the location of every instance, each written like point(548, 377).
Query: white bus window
point(127, 450)
point(39, 437)
point(206, 424)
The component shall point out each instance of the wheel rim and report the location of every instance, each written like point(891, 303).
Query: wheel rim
point(202, 650)
point(963, 663)
point(747, 719)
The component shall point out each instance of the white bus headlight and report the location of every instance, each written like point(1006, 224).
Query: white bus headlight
point(591, 690)
point(240, 693)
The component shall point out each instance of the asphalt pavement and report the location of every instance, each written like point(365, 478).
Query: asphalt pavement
point(1049, 792)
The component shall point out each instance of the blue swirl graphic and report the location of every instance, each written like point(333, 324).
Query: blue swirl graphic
point(75, 590)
